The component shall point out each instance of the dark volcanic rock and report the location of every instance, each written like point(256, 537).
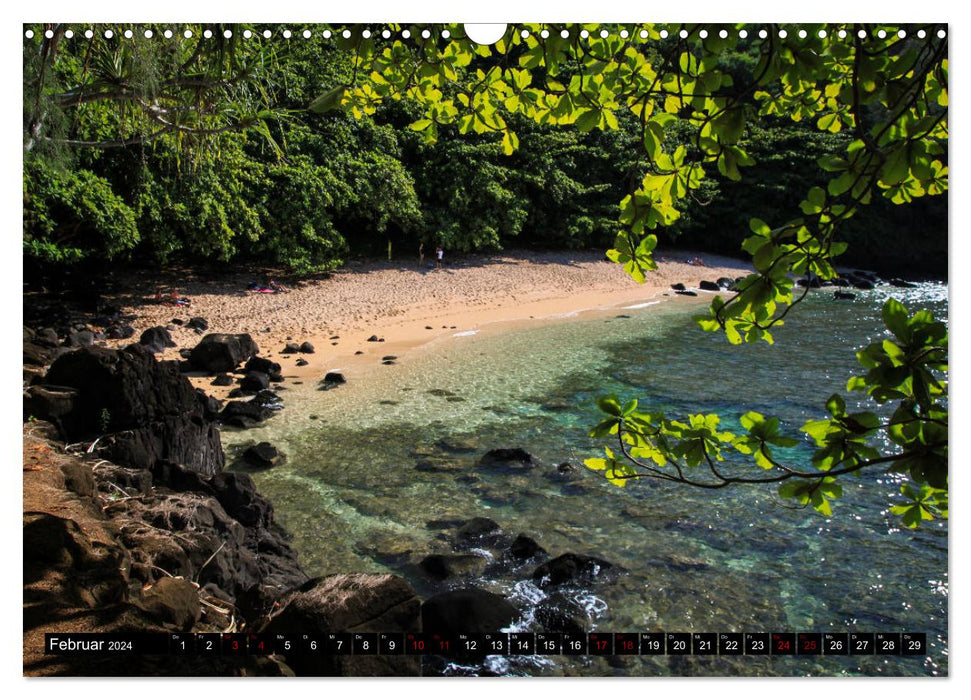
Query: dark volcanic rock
point(302, 362)
point(469, 610)
point(262, 454)
point(222, 379)
point(307, 347)
point(290, 349)
point(156, 339)
point(570, 567)
point(562, 613)
point(373, 339)
point(678, 286)
point(840, 294)
point(350, 603)
point(444, 566)
point(244, 414)
point(46, 337)
point(222, 352)
point(477, 530)
point(261, 364)
point(39, 355)
point(524, 547)
point(332, 379)
point(198, 323)
point(119, 331)
point(686, 293)
point(508, 460)
point(725, 282)
point(149, 410)
point(49, 402)
point(254, 382)
point(709, 286)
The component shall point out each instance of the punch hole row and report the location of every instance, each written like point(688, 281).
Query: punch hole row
point(446, 34)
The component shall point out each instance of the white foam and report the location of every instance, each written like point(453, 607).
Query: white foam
point(463, 334)
point(642, 306)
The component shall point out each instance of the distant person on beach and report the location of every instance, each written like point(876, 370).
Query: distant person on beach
point(439, 253)
point(279, 288)
point(421, 255)
point(172, 299)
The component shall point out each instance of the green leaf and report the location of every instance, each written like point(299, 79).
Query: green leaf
point(329, 101)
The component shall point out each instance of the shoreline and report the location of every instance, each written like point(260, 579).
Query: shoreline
point(409, 308)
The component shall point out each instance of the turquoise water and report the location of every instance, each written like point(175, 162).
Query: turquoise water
point(379, 460)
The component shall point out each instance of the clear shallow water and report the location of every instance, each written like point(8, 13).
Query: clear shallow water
point(357, 494)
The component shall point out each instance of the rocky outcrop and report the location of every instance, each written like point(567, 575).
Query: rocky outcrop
point(570, 568)
point(146, 409)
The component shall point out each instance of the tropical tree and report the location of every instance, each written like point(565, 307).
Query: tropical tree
point(886, 87)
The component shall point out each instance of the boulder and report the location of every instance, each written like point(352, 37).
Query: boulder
point(373, 339)
point(150, 411)
point(686, 293)
point(678, 286)
point(244, 414)
point(119, 331)
point(477, 530)
point(569, 568)
point(290, 349)
point(198, 323)
point(38, 355)
point(709, 286)
point(350, 603)
point(254, 382)
point(444, 566)
point(261, 364)
point(49, 402)
point(468, 610)
point(332, 379)
point(725, 282)
point(840, 294)
point(80, 339)
point(524, 547)
point(222, 379)
point(173, 601)
point(560, 613)
point(222, 352)
point(307, 347)
point(302, 362)
point(156, 339)
point(262, 454)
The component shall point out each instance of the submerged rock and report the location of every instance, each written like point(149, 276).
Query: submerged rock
point(262, 454)
point(444, 566)
point(156, 339)
point(569, 568)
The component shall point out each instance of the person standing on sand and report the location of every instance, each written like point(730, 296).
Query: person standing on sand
point(421, 255)
point(439, 253)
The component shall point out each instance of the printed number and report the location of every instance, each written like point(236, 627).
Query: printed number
point(522, 644)
point(783, 646)
point(364, 645)
point(339, 643)
point(887, 645)
point(679, 645)
point(497, 645)
point(654, 644)
point(704, 645)
point(810, 645)
point(731, 645)
point(313, 646)
point(628, 646)
point(235, 646)
point(471, 645)
point(601, 644)
point(391, 645)
point(836, 644)
point(757, 645)
point(913, 645)
point(183, 645)
point(418, 645)
point(575, 646)
point(861, 643)
point(208, 645)
point(286, 646)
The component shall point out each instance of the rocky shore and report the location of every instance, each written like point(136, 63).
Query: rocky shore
point(132, 523)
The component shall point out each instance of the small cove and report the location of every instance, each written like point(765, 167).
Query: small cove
point(386, 456)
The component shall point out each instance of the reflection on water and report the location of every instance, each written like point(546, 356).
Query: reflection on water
point(381, 461)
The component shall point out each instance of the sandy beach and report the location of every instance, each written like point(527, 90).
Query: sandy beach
point(406, 306)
